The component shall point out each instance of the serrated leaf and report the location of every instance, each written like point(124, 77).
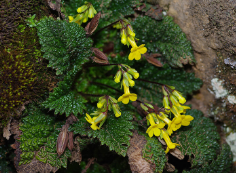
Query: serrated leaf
point(115, 132)
point(48, 153)
point(184, 82)
point(154, 153)
point(164, 37)
point(221, 165)
point(39, 138)
point(199, 139)
point(64, 44)
point(64, 99)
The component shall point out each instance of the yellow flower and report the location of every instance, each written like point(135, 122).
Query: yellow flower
point(181, 108)
point(101, 102)
point(177, 94)
point(95, 120)
point(154, 128)
point(166, 104)
point(116, 110)
point(136, 51)
point(186, 120)
point(117, 76)
point(170, 145)
point(127, 95)
point(70, 18)
point(91, 121)
point(173, 125)
point(133, 72)
point(123, 37)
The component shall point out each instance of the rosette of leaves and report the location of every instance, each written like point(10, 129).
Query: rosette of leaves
point(201, 140)
point(38, 139)
point(115, 133)
point(64, 44)
point(164, 37)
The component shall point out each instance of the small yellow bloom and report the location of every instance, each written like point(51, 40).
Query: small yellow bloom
point(117, 76)
point(116, 110)
point(170, 145)
point(70, 18)
point(186, 120)
point(101, 103)
point(136, 51)
point(95, 120)
point(127, 95)
point(177, 94)
point(91, 121)
point(133, 72)
point(123, 37)
point(173, 124)
point(154, 129)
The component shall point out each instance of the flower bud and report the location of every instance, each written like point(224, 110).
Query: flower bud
point(101, 103)
point(85, 19)
point(166, 103)
point(123, 37)
point(133, 72)
point(117, 76)
point(82, 9)
point(116, 110)
point(90, 13)
point(70, 18)
point(131, 31)
point(177, 94)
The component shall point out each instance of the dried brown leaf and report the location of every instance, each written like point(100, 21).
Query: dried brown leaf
point(137, 162)
point(152, 60)
point(177, 153)
point(93, 24)
point(62, 140)
point(70, 143)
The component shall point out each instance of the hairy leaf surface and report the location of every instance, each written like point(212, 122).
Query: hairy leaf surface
point(64, 44)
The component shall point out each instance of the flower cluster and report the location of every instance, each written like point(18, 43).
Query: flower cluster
point(86, 11)
point(128, 38)
point(104, 104)
point(172, 102)
point(128, 74)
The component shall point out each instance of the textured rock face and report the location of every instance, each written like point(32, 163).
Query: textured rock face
point(209, 25)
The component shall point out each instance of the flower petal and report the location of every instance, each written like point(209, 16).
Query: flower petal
point(137, 55)
point(150, 133)
point(131, 56)
point(143, 50)
point(188, 117)
point(157, 132)
point(125, 100)
point(133, 97)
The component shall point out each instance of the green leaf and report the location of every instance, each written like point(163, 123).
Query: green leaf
point(154, 153)
point(48, 153)
point(64, 44)
point(164, 37)
point(184, 82)
point(39, 138)
point(64, 99)
point(115, 132)
point(221, 165)
point(199, 139)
